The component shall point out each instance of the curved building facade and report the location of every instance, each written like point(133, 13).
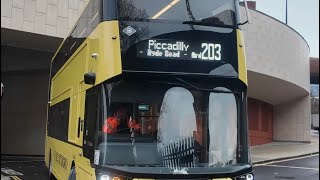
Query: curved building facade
point(279, 81)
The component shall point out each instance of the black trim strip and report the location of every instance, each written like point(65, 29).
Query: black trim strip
point(74, 144)
point(179, 73)
point(58, 120)
point(245, 169)
point(79, 124)
point(91, 117)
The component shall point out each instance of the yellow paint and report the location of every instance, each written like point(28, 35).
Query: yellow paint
point(105, 41)
point(242, 65)
point(68, 82)
point(72, 153)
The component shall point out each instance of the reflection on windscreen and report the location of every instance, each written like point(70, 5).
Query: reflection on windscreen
point(176, 110)
point(222, 117)
point(210, 12)
point(153, 124)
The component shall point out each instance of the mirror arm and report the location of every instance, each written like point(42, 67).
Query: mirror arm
point(247, 12)
point(243, 23)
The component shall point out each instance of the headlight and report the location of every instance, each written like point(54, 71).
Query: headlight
point(246, 177)
point(249, 177)
point(107, 177)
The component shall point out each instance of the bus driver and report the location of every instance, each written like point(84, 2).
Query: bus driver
point(120, 122)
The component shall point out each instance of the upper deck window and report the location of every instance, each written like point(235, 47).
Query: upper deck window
point(197, 12)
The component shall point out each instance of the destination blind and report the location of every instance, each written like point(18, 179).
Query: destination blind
point(176, 49)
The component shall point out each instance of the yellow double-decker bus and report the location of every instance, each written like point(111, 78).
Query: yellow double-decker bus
point(150, 89)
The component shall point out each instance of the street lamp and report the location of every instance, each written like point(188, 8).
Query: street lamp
point(286, 11)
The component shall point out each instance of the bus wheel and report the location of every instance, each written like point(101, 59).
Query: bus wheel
point(72, 175)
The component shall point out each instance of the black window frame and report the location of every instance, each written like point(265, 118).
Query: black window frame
point(92, 113)
point(58, 120)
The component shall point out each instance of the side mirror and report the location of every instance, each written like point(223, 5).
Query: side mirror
point(90, 78)
point(247, 13)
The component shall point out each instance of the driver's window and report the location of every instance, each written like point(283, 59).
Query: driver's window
point(121, 119)
point(124, 118)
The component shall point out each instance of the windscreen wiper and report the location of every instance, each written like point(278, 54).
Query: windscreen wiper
point(211, 21)
point(191, 16)
point(201, 89)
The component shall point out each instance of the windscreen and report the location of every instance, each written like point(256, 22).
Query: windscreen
point(167, 125)
point(202, 12)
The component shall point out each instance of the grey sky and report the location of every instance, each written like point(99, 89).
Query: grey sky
point(303, 16)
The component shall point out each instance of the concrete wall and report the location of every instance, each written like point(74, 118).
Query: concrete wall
point(279, 74)
point(292, 121)
point(276, 50)
point(46, 17)
point(25, 74)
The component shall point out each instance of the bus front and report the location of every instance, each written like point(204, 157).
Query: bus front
point(184, 83)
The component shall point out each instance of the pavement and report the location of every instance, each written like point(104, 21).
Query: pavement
point(284, 150)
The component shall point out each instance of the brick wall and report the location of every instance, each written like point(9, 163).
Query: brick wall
point(260, 115)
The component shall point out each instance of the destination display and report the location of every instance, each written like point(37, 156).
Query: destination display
point(175, 49)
